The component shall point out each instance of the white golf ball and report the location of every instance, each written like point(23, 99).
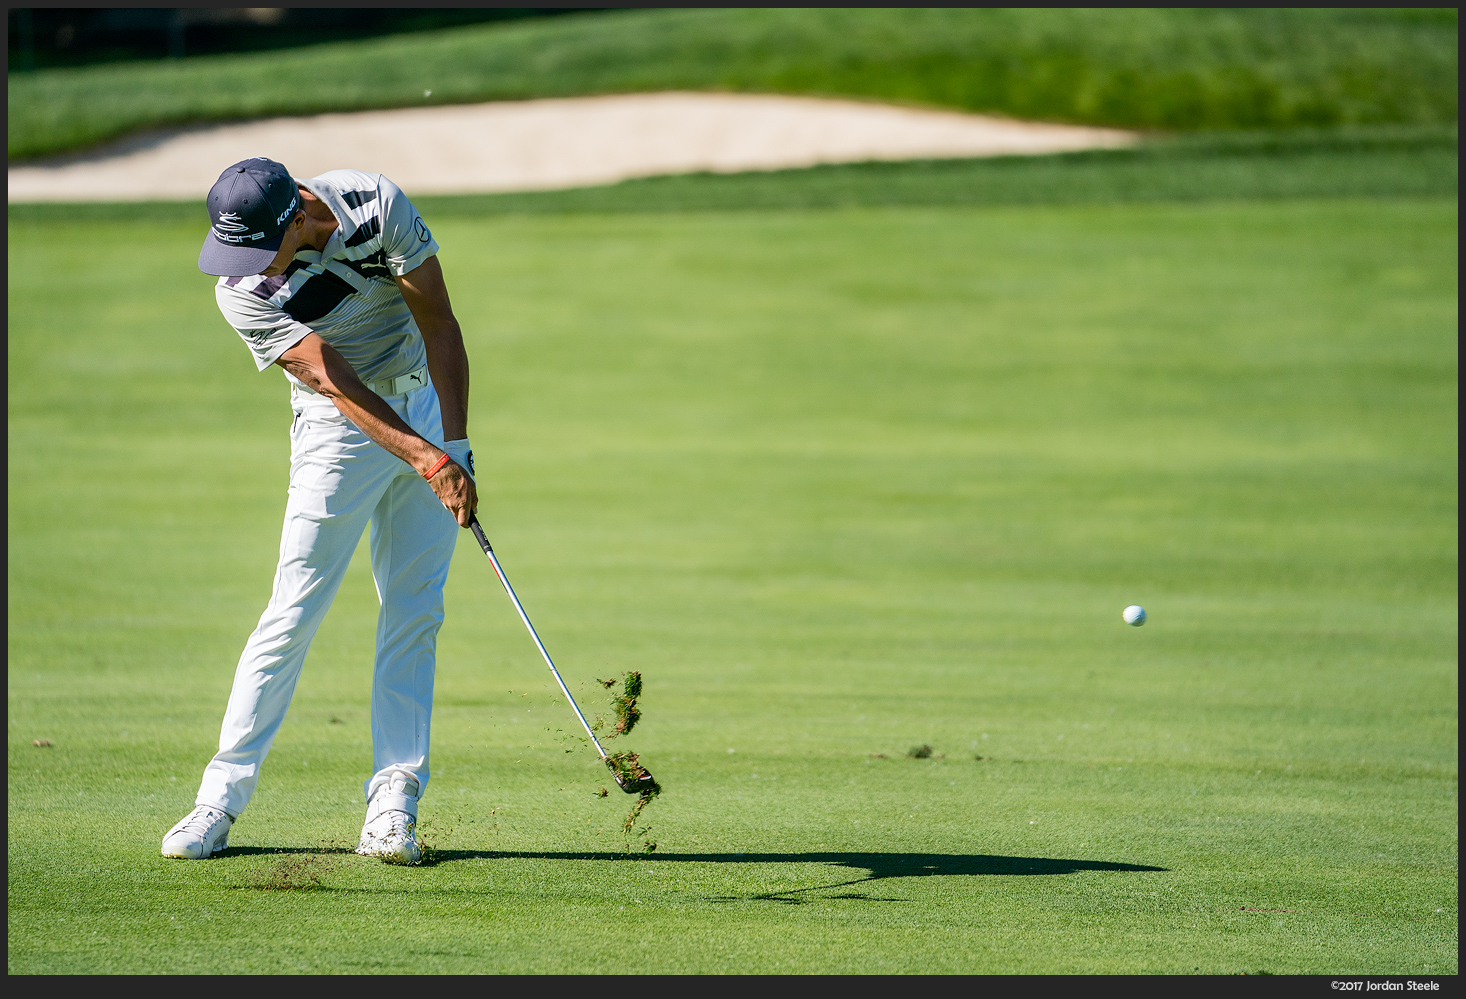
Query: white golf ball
point(1134, 615)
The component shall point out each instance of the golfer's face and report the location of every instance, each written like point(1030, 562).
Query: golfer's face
point(288, 245)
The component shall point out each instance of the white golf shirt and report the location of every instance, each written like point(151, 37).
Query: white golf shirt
point(344, 293)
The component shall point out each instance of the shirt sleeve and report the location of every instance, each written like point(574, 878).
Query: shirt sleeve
point(406, 240)
point(265, 330)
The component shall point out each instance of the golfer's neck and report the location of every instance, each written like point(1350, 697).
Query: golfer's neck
point(317, 232)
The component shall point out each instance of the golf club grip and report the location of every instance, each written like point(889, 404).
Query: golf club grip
point(478, 532)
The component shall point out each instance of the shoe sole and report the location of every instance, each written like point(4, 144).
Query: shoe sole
point(392, 857)
point(220, 848)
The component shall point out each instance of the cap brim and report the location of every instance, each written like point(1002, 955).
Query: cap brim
point(233, 260)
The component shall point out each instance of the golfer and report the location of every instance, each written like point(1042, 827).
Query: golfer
point(336, 280)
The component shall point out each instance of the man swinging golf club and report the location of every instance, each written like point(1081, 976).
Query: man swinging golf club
point(336, 280)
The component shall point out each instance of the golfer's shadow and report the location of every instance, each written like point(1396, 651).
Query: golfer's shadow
point(879, 866)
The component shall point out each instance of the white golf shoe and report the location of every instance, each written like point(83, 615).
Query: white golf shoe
point(201, 833)
point(392, 836)
point(390, 831)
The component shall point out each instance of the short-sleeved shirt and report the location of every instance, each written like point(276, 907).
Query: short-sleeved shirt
point(345, 292)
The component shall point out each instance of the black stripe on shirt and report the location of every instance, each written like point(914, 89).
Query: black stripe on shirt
point(316, 297)
point(269, 285)
point(358, 198)
point(364, 232)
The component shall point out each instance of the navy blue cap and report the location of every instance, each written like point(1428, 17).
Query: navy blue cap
point(250, 205)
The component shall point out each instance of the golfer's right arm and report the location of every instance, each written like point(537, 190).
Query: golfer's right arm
point(320, 366)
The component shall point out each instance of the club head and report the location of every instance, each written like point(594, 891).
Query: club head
point(635, 782)
point(637, 785)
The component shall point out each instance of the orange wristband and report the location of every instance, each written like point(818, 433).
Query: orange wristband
point(438, 467)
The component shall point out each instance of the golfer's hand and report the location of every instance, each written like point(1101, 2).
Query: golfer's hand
point(457, 492)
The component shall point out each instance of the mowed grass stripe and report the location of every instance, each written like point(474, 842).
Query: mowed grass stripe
point(839, 483)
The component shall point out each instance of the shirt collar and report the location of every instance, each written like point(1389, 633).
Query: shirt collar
point(335, 243)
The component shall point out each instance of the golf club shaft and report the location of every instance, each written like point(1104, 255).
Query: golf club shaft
point(478, 532)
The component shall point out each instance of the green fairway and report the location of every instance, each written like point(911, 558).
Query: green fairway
point(839, 483)
point(1150, 68)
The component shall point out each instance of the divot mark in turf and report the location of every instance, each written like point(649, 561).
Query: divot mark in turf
point(294, 872)
point(921, 752)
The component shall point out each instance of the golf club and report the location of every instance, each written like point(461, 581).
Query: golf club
point(628, 781)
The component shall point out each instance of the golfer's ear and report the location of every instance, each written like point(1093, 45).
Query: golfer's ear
point(299, 221)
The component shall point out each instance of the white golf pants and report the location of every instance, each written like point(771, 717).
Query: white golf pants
point(339, 481)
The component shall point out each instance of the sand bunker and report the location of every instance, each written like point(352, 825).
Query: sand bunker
point(546, 144)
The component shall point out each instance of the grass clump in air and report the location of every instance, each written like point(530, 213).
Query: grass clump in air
point(627, 767)
point(627, 713)
point(630, 774)
point(624, 703)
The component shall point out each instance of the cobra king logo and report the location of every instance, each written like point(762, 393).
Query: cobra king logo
point(229, 228)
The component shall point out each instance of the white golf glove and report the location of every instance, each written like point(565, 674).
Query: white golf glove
point(462, 454)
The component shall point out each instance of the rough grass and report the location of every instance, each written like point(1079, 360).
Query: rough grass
point(839, 483)
point(1143, 68)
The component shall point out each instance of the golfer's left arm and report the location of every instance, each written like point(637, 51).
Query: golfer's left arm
point(427, 297)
